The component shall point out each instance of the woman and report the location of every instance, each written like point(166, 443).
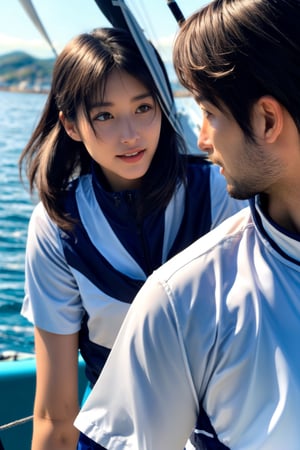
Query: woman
point(118, 198)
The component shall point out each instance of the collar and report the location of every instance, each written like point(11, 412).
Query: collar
point(285, 242)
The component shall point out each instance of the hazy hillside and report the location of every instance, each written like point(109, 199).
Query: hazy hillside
point(21, 71)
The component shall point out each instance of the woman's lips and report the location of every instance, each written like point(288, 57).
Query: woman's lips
point(132, 157)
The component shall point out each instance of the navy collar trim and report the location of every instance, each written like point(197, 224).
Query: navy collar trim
point(259, 225)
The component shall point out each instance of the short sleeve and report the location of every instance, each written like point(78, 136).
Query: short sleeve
point(52, 301)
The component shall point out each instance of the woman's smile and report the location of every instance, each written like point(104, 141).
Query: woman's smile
point(132, 157)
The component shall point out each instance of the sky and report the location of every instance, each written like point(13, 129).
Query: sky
point(63, 19)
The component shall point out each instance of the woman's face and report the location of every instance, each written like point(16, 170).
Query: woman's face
point(127, 126)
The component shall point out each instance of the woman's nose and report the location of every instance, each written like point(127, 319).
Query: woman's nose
point(129, 131)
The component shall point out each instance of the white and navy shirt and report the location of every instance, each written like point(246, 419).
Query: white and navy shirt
point(85, 280)
point(215, 333)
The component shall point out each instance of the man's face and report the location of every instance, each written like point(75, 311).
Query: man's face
point(247, 166)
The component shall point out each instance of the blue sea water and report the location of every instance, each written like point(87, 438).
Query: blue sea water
point(19, 113)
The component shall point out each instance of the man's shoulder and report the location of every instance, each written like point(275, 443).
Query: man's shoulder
point(218, 243)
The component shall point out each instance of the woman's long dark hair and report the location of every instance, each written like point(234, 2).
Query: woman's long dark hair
point(51, 158)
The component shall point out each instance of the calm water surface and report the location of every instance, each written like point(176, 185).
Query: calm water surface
point(19, 113)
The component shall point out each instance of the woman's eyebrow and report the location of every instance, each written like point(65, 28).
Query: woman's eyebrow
point(100, 104)
point(134, 99)
point(142, 96)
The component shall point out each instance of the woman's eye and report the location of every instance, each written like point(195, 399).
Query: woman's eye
point(103, 116)
point(144, 108)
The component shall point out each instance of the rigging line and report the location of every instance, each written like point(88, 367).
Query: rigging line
point(146, 22)
point(29, 8)
point(15, 423)
point(142, 16)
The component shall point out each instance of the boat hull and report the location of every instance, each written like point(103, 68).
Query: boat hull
point(17, 388)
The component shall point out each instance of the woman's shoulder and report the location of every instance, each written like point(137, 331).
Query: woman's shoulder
point(40, 223)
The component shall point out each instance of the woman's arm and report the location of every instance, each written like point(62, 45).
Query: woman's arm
point(56, 399)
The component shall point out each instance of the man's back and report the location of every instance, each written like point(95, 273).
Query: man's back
point(223, 338)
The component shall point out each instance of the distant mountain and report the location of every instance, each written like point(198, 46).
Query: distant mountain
point(21, 71)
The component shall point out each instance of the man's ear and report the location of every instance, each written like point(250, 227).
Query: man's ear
point(69, 127)
point(268, 119)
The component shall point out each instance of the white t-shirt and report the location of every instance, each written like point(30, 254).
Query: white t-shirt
point(217, 325)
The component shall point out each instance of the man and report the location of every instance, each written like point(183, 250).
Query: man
point(214, 334)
